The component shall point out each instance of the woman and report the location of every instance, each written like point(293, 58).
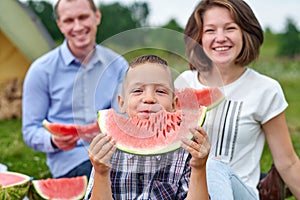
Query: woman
point(222, 38)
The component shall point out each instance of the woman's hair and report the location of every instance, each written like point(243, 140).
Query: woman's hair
point(91, 2)
point(242, 15)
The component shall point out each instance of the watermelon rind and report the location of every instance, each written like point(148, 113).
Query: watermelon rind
point(36, 193)
point(153, 151)
point(16, 190)
point(216, 103)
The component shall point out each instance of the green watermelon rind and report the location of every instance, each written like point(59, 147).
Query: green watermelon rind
point(156, 151)
point(216, 103)
point(35, 193)
point(16, 191)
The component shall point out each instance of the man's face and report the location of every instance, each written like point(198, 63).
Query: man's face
point(147, 89)
point(78, 22)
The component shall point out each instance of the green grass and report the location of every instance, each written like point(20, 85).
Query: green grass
point(16, 155)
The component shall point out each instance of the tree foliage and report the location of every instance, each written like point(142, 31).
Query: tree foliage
point(117, 18)
point(173, 25)
point(289, 41)
point(44, 10)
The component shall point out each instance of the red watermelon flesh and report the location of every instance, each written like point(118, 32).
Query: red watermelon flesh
point(209, 97)
point(61, 188)
point(13, 185)
point(70, 129)
point(8, 179)
point(161, 133)
point(11, 178)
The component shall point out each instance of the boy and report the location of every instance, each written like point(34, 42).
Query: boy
point(147, 88)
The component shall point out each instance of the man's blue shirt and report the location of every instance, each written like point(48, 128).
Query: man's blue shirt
point(59, 88)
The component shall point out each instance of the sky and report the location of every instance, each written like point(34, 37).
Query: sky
point(270, 13)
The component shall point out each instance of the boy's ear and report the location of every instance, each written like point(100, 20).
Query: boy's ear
point(121, 103)
point(175, 103)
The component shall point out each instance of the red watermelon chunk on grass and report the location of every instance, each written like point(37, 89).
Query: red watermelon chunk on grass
point(59, 189)
point(13, 185)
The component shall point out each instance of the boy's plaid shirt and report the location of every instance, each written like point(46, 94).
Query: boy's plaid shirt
point(149, 177)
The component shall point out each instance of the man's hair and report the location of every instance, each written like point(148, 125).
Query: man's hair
point(242, 15)
point(91, 2)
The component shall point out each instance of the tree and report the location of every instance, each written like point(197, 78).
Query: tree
point(44, 10)
point(289, 41)
point(173, 25)
point(117, 18)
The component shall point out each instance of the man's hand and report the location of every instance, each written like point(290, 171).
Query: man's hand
point(65, 143)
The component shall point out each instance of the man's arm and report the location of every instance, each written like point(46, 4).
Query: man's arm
point(35, 104)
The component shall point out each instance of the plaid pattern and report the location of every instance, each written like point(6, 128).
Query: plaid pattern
point(150, 177)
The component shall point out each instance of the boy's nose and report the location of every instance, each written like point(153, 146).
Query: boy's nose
point(149, 98)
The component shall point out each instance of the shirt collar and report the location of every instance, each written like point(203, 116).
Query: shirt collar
point(69, 58)
point(66, 54)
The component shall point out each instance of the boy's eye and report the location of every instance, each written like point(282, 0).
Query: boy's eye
point(161, 91)
point(137, 90)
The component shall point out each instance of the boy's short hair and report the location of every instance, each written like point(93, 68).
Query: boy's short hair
point(148, 58)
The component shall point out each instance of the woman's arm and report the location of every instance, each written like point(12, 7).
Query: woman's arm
point(284, 155)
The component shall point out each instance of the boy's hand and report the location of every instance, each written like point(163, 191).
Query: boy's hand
point(101, 150)
point(199, 147)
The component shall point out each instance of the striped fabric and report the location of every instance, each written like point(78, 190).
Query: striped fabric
point(149, 177)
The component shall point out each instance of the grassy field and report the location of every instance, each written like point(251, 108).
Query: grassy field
point(18, 157)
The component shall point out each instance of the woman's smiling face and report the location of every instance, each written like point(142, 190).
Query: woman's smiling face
point(222, 39)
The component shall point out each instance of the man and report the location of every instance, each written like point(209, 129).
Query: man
point(69, 85)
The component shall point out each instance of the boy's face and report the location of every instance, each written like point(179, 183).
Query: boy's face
point(147, 89)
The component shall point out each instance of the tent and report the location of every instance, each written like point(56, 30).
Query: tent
point(22, 39)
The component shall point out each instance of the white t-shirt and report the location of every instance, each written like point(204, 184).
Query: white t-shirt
point(234, 127)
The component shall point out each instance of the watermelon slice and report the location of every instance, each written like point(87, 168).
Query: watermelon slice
point(189, 99)
point(59, 189)
point(70, 129)
point(13, 185)
point(209, 97)
point(160, 133)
